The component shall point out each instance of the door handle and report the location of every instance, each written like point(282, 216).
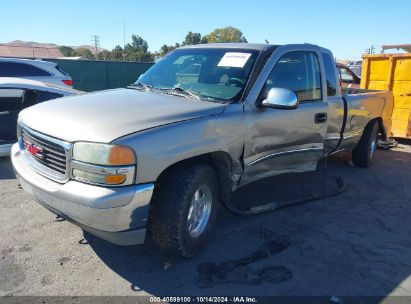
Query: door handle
point(320, 118)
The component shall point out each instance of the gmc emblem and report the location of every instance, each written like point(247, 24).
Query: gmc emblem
point(33, 150)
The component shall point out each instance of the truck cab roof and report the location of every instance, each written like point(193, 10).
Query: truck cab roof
point(238, 45)
point(250, 46)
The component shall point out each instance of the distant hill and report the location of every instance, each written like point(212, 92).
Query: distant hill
point(30, 49)
point(22, 49)
point(31, 44)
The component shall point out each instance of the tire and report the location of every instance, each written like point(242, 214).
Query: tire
point(364, 152)
point(172, 219)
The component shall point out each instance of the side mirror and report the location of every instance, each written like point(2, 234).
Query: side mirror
point(279, 98)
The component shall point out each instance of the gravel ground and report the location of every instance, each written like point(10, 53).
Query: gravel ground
point(356, 243)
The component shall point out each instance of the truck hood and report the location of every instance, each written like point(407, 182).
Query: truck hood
point(107, 115)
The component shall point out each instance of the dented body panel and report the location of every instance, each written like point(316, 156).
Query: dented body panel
point(159, 148)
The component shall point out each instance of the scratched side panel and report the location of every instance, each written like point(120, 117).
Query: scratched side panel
point(272, 132)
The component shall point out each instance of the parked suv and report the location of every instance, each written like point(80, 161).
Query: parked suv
point(39, 70)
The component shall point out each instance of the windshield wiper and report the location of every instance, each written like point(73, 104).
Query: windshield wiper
point(181, 90)
point(146, 87)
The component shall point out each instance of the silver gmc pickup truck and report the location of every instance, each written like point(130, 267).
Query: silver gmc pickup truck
point(162, 155)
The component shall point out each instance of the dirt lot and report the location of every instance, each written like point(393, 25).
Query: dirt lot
point(357, 243)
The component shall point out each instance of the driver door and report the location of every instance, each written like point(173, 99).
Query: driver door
point(286, 140)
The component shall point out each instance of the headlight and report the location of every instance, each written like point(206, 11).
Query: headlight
point(103, 164)
point(103, 154)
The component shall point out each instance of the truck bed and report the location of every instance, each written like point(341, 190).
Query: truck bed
point(377, 103)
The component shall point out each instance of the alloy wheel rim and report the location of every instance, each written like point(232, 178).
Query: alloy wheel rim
point(199, 212)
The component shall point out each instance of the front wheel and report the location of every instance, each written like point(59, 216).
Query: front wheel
point(184, 208)
point(364, 152)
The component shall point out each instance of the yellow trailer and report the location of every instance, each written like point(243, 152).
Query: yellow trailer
point(391, 72)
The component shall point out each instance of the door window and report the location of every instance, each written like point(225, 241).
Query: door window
point(329, 66)
point(346, 76)
point(298, 71)
point(15, 69)
point(31, 70)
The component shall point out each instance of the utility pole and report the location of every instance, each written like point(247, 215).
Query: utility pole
point(371, 50)
point(124, 40)
point(96, 41)
point(124, 34)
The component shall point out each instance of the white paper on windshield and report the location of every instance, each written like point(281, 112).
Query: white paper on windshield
point(234, 60)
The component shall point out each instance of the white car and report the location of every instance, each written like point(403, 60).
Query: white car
point(17, 94)
point(39, 70)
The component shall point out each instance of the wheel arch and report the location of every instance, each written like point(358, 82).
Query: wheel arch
point(381, 127)
point(220, 161)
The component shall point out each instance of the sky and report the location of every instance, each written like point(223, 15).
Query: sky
point(346, 27)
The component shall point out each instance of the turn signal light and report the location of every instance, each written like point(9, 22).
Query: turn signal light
point(120, 155)
point(115, 179)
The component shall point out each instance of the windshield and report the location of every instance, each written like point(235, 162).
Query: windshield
point(208, 73)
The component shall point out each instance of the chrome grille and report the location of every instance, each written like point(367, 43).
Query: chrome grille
point(46, 155)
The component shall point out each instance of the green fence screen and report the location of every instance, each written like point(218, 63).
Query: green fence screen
point(94, 75)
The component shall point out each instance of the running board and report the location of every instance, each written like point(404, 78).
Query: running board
point(282, 204)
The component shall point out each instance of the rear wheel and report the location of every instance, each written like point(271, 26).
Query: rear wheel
point(184, 208)
point(364, 152)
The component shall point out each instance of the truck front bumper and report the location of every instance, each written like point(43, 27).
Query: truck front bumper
point(116, 214)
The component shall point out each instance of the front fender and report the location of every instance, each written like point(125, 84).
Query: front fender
point(159, 148)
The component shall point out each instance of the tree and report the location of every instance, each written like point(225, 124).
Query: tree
point(204, 39)
point(117, 53)
point(104, 55)
point(66, 51)
point(192, 38)
point(138, 50)
point(165, 49)
point(138, 44)
point(226, 34)
point(83, 53)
